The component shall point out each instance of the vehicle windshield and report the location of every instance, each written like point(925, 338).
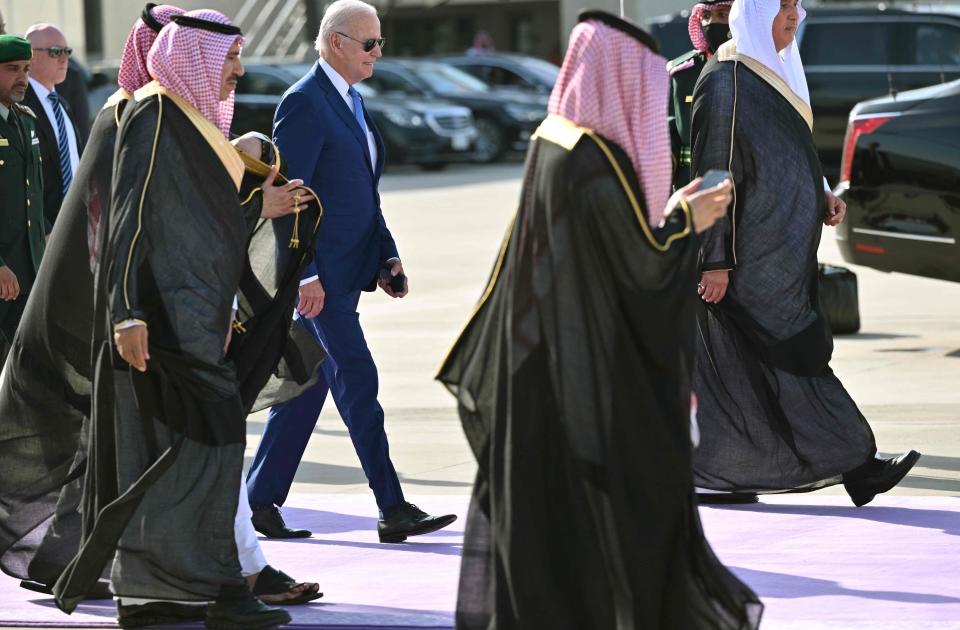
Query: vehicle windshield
point(444, 79)
point(545, 71)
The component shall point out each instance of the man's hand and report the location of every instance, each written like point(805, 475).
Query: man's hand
point(836, 210)
point(713, 285)
point(132, 346)
point(395, 271)
point(9, 287)
point(706, 206)
point(285, 199)
point(311, 299)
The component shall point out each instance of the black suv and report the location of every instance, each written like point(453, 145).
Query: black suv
point(853, 54)
point(900, 177)
point(856, 52)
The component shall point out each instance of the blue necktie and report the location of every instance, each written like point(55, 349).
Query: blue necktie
point(358, 110)
point(63, 146)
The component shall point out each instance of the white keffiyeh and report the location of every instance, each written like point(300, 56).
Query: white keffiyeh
point(751, 27)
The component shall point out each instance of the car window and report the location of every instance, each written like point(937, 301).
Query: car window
point(253, 82)
point(384, 81)
point(847, 44)
point(936, 45)
point(500, 76)
point(476, 71)
point(545, 71)
point(445, 79)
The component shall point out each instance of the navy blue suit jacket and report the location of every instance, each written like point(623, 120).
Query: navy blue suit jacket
point(322, 144)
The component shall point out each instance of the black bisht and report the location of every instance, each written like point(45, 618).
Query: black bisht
point(46, 389)
point(46, 394)
point(573, 386)
point(773, 415)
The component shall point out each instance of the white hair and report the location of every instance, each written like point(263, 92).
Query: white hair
point(337, 16)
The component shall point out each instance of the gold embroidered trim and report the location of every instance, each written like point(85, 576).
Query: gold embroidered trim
point(733, 210)
point(565, 133)
point(214, 137)
point(116, 97)
point(261, 169)
point(250, 196)
point(559, 130)
point(728, 52)
point(143, 196)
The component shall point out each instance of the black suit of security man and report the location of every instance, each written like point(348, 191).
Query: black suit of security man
point(49, 150)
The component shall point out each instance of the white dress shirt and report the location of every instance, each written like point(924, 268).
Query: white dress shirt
point(342, 86)
point(42, 94)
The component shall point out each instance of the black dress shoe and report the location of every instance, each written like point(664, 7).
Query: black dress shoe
point(877, 476)
point(410, 520)
point(726, 498)
point(246, 613)
point(158, 614)
point(268, 522)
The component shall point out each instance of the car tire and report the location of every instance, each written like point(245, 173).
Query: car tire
point(490, 143)
point(432, 166)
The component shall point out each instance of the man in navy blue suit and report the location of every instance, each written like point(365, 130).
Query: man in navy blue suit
point(329, 141)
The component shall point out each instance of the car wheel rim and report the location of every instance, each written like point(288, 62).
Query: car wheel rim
point(488, 140)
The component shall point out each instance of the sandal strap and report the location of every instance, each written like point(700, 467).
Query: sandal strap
point(273, 582)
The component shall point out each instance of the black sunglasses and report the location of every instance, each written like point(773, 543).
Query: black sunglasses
point(367, 44)
point(56, 51)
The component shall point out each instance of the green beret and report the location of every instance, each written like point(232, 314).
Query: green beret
point(13, 48)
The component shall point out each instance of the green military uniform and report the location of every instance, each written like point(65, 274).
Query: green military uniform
point(22, 226)
point(684, 72)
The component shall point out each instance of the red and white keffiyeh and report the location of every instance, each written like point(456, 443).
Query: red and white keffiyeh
point(696, 29)
point(133, 73)
point(612, 83)
point(189, 62)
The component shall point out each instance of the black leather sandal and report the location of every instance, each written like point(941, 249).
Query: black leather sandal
point(273, 582)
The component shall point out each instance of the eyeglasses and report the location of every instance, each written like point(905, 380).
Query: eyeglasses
point(56, 51)
point(367, 44)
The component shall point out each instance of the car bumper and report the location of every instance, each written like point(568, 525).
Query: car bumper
point(912, 246)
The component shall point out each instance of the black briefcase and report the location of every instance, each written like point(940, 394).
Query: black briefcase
point(838, 299)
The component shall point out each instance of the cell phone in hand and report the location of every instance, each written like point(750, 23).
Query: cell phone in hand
point(394, 282)
point(714, 177)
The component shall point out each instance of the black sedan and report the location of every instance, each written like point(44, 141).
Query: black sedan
point(900, 177)
point(428, 132)
point(504, 121)
point(508, 71)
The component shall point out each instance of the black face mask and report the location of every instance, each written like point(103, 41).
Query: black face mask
point(716, 35)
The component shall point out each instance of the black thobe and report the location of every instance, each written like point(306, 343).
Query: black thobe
point(772, 414)
point(46, 397)
point(572, 382)
point(166, 446)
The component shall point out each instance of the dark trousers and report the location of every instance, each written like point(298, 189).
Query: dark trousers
point(351, 376)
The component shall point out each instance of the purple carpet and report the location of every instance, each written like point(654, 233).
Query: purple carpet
point(816, 561)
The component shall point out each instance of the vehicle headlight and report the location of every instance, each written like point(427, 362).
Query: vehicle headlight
point(403, 118)
point(526, 114)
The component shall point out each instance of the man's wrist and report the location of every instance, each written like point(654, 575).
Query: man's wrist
point(306, 281)
point(128, 323)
